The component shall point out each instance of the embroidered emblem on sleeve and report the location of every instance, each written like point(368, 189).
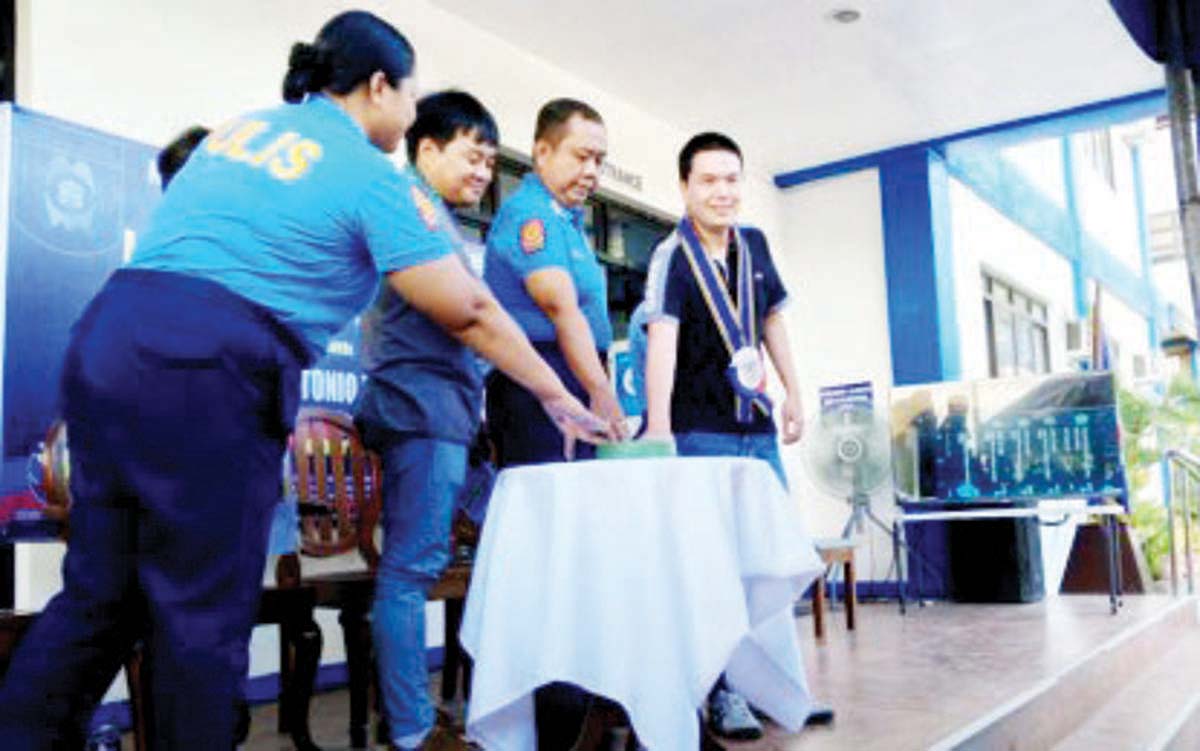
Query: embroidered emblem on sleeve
point(533, 236)
point(425, 208)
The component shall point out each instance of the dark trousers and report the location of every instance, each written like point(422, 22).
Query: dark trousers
point(178, 397)
point(520, 429)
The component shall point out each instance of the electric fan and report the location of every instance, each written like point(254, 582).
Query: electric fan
point(848, 454)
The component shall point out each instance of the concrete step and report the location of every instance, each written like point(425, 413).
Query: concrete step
point(1147, 712)
point(1063, 704)
point(1183, 732)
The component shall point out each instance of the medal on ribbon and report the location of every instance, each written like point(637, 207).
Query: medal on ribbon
point(748, 368)
point(735, 320)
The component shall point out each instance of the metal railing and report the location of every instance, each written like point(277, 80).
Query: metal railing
point(1181, 475)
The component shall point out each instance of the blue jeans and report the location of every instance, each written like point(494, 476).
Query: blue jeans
point(755, 445)
point(421, 479)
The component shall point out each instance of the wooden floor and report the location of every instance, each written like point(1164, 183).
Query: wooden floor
point(897, 682)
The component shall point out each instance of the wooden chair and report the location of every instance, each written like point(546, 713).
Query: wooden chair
point(337, 483)
point(289, 606)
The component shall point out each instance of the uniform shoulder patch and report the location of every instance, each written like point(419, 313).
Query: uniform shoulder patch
point(425, 208)
point(533, 236)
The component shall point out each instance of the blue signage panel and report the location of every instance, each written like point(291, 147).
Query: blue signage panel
point(78, 198)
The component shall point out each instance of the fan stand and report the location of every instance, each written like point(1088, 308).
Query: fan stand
point(860, 513)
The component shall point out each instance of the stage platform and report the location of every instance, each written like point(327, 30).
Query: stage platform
point(1058, 675)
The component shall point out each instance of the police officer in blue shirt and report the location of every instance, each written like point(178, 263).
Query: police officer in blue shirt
point(419, 410)
point(182, 378)
point(541, 268)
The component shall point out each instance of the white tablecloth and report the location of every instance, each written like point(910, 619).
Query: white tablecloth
point(640, 580)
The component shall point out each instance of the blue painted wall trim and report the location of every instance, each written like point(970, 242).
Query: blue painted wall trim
point(1048, 125)
point(942, 237)
point(916, 225)
point(1004, 187)
point(1075, 249)
point(918, 265)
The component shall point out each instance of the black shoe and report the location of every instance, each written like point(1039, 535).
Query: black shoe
point(819, 715)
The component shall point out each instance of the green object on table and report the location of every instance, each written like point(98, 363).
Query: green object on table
point(635, 449)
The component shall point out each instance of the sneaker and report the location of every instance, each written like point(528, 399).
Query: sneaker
point(729, 716)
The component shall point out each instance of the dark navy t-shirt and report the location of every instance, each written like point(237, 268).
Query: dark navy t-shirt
point(702, 399)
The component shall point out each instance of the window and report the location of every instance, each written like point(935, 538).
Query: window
point(1017, 330)
point(622, 236)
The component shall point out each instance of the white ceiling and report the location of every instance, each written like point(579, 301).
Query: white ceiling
point(798, 90)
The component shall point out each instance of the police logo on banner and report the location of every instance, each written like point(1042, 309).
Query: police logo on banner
point(533, 236)
point(67, 198)
point(70, 195)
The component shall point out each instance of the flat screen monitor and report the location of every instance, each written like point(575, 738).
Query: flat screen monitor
point(1007, 439)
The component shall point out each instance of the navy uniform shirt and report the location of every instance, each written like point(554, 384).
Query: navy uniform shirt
point(293, 208)
point(420, 380)
point(531, 232)
point(702, 399)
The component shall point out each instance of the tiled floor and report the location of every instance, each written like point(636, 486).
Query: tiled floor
point(897, 682)
point(905, 682)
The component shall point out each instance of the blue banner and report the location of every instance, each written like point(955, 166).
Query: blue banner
point(78, 198)
point(78, 201)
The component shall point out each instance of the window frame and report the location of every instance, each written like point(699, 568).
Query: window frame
point(1025, 349)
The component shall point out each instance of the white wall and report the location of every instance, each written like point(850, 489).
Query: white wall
point(1127, 328)
point(1108, 213)
point(146, 69)
point(1158, 168)
point(833, 234)
point(1041, 163)
point(1171, 280)
point(985, 240)
point(1158, 180)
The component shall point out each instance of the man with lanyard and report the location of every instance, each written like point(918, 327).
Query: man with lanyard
point(420, 409)
point(182, 380)
point(541, 268)
point(713, 299)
